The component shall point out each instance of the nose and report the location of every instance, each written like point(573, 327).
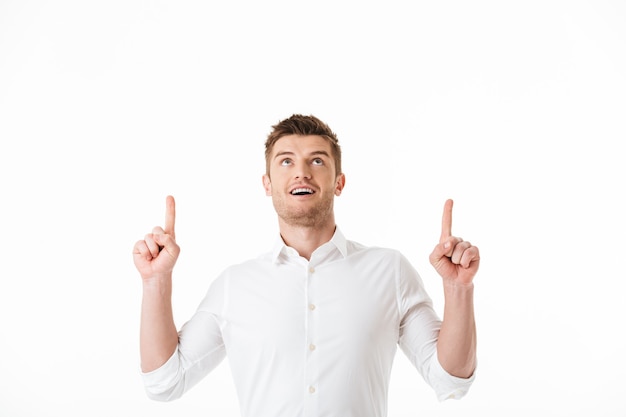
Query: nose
point(303, 172)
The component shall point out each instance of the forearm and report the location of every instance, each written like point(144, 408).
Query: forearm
point(158, 335)
point(456, 346)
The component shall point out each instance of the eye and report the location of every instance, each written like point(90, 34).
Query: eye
point(285, 162)
point(318, 161)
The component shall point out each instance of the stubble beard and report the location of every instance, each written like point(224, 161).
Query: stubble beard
point(313, 216)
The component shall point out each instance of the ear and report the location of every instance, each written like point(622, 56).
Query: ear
point(267, 184)
point(339, 184)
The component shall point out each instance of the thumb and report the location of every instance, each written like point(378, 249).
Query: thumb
point(440, 251)
point(166, 242)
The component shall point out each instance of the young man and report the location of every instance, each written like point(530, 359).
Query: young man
point(311, 327)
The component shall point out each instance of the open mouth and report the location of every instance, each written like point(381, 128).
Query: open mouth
point(302, 191)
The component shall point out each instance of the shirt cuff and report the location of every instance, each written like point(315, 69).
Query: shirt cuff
point(447, 386)
point(162, 379)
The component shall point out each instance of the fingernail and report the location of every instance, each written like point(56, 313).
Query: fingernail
point(446, 245)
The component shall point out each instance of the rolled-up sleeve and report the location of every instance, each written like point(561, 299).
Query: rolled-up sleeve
point(162, 384)
point(200, 350)
point(419, 331)
point(446, 386)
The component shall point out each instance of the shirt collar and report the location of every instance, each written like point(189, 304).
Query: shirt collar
point(338, 242)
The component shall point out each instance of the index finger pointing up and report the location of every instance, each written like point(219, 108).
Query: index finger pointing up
point(170, 215)
point(446, 221)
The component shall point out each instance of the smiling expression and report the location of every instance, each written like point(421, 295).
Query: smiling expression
point(302, 180)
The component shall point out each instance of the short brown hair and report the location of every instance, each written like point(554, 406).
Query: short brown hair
point(303, 126)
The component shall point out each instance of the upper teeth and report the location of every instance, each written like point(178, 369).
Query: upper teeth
point(302, 190)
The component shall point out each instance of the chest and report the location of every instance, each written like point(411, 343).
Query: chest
point(304, 308)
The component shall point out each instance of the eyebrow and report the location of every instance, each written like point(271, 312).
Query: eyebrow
point(290, 153)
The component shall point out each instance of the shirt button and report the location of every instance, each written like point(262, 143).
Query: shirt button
point(311, 269)
point(311, 306)
point(312, 390)
point(311, 347)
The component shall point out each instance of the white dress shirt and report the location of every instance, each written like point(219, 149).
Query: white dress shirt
point(311, 338)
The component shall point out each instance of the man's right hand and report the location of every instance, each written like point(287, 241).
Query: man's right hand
point(156, 255)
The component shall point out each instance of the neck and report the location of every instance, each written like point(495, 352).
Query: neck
point(305, 239)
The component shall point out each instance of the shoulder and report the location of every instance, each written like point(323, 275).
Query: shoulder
point(381, 258)
point(234, 276)
point(359, 250)
point(246, 267)
point(377, 257)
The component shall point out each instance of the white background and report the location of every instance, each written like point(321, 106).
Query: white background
point(514, 109)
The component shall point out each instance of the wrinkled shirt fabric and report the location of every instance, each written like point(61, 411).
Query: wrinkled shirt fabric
point(311, 338)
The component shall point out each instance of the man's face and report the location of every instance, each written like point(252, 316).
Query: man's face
point(302, 180)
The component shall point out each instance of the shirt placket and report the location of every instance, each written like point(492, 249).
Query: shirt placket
point(311, 383)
